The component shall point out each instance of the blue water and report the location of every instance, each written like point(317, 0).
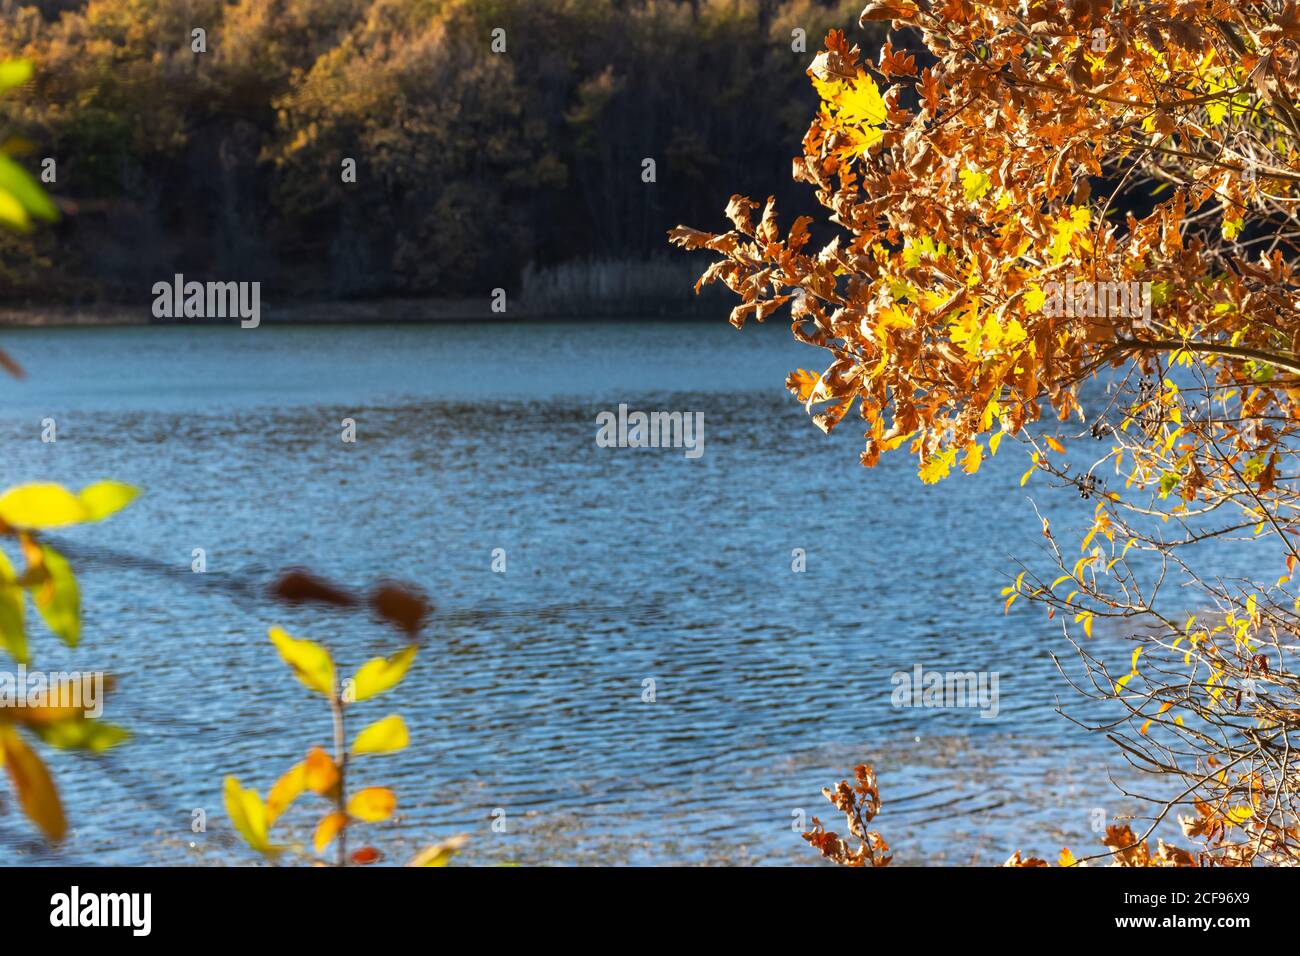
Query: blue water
point(622, 565)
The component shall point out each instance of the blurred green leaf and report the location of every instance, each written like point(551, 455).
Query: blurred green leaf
point(82, 734)
point(106, 497)
point(57, 596)
point(13, 636)
point(248, 813)
point(14, 73)
point(23, 186)
point(12, 213)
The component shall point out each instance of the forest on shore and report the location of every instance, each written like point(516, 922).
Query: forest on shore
point(497, 143)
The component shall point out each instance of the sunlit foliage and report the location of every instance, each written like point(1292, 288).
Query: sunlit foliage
point(470, 164)
point(55, 714)
point(328, 775)
point(1034, 147)
point(859, 802)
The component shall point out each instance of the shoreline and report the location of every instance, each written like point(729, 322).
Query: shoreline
point(375, 310)
point(350, 312)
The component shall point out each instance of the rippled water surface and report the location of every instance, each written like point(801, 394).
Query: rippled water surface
point(622, 565)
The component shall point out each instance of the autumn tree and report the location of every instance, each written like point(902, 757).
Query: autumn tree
point(1077, 221)
point(467, 163)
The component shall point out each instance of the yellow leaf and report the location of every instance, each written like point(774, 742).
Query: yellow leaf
point(439, 854)
point(970, 462)
point(36, 792)
point(41, 506)
point(1216, 110)
point(1084, 617)
point(328, 829)
point(1067, 858)
point(13, 214)
point(383, 736)
point(1065, 228)
point(860, 101)
point(372, 804)
point(1239, 815)
point(1087, 538)
point(106, 497)
point(937, 466)
point(1024, 479)
point(310, 662)
point(56, 595)
point(1055, 445)
point(248, 814)
point(994, 441)
point(975, 183)
point(382, 674)
point(285, 791)
point(14, 73)
point(1034, 298)
point(13, 633)
point(860, 109)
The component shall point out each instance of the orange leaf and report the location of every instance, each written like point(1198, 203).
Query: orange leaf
point(373, 804)
point(285, 791)
point(328, 829)
point(320, 773)
point(36, 792)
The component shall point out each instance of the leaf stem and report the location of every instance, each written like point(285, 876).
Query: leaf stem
point(341, 761)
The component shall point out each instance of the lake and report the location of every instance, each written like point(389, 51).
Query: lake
point(623, 566)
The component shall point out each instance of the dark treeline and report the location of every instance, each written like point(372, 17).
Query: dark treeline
point(475, 169)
